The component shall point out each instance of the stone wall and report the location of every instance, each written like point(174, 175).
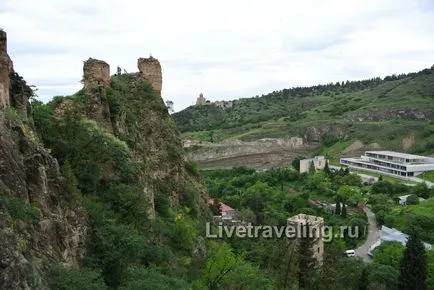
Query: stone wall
point(96, 73)
point(150, 68)
point(6, 68)
point(96, 77)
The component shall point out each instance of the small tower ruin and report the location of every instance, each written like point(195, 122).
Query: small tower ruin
point(6, 67)
point(150, 68)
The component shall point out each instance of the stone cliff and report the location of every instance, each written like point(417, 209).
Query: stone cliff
point(130, 107)
point(6, 68)
point(41, 223)
point(262, 153)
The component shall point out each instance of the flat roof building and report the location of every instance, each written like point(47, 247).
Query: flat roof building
point(391, 163)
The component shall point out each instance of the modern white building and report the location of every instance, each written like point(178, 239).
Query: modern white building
point(391, 163)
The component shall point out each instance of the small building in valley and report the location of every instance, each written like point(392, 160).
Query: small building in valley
point(318, 162)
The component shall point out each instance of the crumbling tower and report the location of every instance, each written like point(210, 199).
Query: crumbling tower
point(150, 68)
point(6, 68)
point(309, 226)
point(96, 77)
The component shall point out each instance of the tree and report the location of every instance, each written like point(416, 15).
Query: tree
point(327, 168)
point(344, 210)
point(306, 261)
point(380, 178)
point(338, 205)
point(296, 162)
point(215, 207)
point(413, 270)
point(311, 167)
point(412, 199)
point(389, 253)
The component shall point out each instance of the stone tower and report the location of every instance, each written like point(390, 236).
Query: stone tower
point(150, 68)
point(6, 68)
point(316, 226)
point(96, 77)
point(96, 74)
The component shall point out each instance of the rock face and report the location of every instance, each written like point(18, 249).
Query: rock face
point(6, 68)
point(390, 114)
point(41, 223)
point(96, 76)
point(56, 234)
point(263, 153)
point(150, 68)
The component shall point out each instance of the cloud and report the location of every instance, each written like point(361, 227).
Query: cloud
point(225, 49)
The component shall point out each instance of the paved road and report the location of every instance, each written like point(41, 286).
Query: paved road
point(373, 236)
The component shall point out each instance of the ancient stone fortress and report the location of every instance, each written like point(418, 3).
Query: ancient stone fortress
point(6, 67)
point(96, 78)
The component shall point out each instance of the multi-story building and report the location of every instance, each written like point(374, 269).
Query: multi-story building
point(391, 163)
point(314, 230)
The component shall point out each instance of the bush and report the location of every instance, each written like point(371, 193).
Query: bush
point(20, 209)
point(328, 139)
point(75, 279)
point(412, 199)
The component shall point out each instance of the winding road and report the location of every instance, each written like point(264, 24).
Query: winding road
point(373, 236)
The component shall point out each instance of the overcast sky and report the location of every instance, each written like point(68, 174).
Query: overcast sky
point(225, 49)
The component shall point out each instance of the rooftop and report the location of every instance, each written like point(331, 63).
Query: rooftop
point(398, 154)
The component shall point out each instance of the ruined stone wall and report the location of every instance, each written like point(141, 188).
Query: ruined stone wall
point(6, 68)
point(96, 77)
point(150, 68)
point(96, 73)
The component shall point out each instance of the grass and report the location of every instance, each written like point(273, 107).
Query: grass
point(401, 214)
point(385, 177)
point(428, 176)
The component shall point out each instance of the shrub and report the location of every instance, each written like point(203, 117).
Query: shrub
point(74, 279)
point(20, 209)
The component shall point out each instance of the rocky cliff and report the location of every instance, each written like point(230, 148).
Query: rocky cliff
point(6, 68)
point(42, 224)
point(130, 107)
point(262, 153)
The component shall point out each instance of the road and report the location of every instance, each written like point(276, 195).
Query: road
point(373, 236)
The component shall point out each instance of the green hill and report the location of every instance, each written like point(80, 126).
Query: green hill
point(380, 110)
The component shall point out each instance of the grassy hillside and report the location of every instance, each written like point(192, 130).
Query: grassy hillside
point(377, 110)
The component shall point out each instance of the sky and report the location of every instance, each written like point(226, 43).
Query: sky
point(223, 49)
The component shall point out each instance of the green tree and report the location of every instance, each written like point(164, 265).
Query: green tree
point(327, 168)
point(344, 210)
point(338, 206)
point(413, 270)
point(311, 167)
point(74, 278)
point(389, 253)
point(296, 162)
